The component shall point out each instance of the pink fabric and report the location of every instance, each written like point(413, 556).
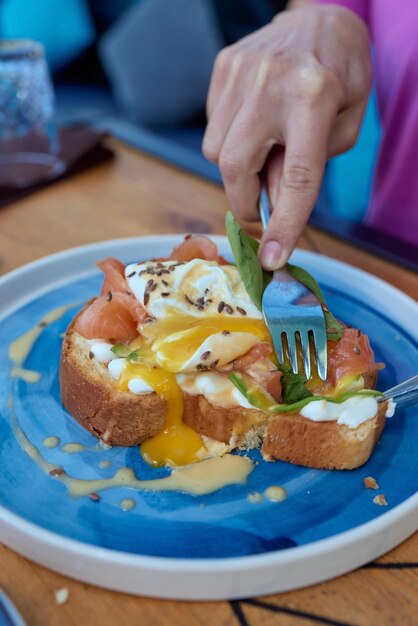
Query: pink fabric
point(394, 30)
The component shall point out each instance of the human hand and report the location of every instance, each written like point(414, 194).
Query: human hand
point(282, 101)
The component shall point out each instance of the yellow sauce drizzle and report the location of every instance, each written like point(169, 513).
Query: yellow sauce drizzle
point(73, 448)
point(177, 443)
point(21, 347)
point(51, 442)
point(127, 504)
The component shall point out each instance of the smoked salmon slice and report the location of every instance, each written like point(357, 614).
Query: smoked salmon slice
point(351, 356)
point(197, 247)
point(115, 314)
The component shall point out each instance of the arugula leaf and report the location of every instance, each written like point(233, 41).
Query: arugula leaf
point(245, 249)
point(294, 387)
point(334, 328)
point(249, 391)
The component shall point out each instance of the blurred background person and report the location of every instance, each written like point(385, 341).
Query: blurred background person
point(150, 62)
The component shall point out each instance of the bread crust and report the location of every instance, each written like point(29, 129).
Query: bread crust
point(90, 395)
point(293, 438)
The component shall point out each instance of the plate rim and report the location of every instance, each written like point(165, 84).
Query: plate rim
point(398, 523)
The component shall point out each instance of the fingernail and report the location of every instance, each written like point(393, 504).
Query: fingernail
point(271, 255)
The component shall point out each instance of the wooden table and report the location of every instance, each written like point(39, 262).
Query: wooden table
point(135, 194)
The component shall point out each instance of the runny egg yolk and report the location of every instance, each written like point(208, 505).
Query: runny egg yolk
point(177, 443)
point(176, 338)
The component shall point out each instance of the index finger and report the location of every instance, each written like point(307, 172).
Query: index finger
point(295, 192)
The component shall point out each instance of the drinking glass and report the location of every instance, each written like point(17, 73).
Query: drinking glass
point(29, 145)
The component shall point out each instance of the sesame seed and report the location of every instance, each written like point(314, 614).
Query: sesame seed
point(131, 274)
point(221, 306)
point(108, 296)
point(91, 355)
point(356, 350)
point(229, 309)
point(165, 294)
point(241, 310)
point(94, 496)
point(205, 355)
point(214, 364)
point(165, 283)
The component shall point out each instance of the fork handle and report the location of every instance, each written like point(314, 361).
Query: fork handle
point(264, 206)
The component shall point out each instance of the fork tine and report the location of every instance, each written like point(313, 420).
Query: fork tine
point(291, 343)
point(320, 342)
point(278, 346)
point(306, 354)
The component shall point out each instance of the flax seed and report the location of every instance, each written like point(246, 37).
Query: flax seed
point(94, 496)
point(241, 310)
point(108, 296)
point(229, 309)
point(165, 294)
point(205, 355)
point(214, 364)
point(131, 274)
point(91, 355)
point(57, 471)
point(356, 350)
point(221, 306)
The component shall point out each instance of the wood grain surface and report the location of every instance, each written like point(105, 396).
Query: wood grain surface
point(138, 195)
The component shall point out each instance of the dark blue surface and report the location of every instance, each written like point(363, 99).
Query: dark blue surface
point(319, 504)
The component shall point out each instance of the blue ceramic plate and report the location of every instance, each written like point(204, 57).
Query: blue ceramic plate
point(174, 544)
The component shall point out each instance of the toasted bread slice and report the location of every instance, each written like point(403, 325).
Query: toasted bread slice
point(122, 418)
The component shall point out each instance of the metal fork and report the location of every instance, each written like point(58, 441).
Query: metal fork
point(404, 394)
point(291, 309)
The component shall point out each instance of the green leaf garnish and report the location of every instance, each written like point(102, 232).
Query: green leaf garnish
point(121, 350)
point(256, 279)
point(293, 386)
point(251, 392)
point(245, 249)
point(135, 356)
point(334, 328)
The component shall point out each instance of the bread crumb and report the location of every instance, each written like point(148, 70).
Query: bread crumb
point(380, 500)
point(275, 494)
point(62, 595)
point(370, 483)
point(254, 497)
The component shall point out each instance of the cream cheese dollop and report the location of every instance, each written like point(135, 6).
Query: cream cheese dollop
point(194, 288)
point(352, 412)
